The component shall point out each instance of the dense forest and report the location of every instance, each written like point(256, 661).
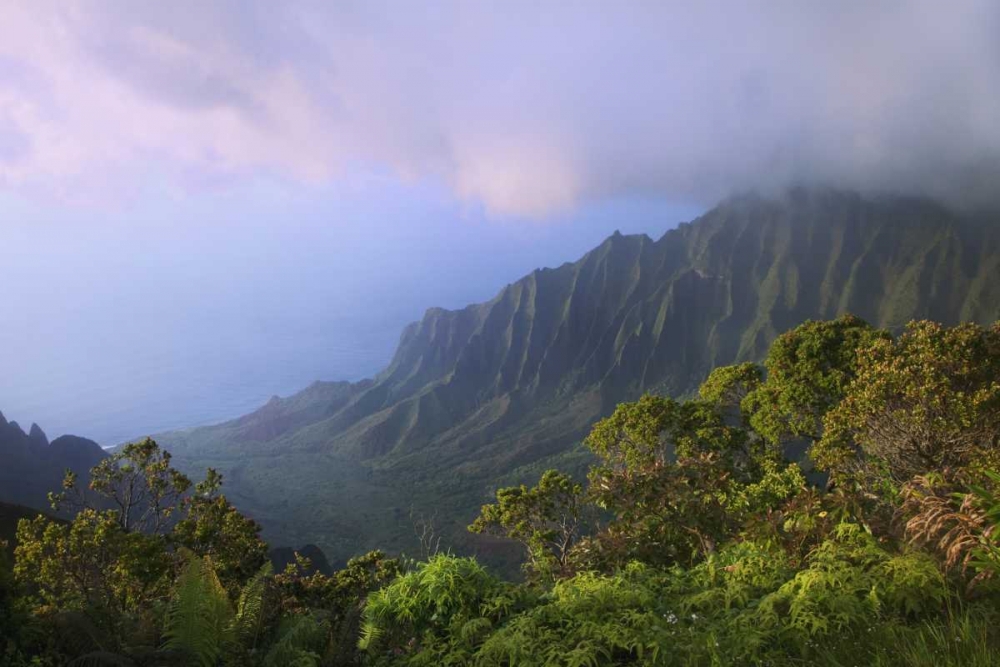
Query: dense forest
point(836, 505)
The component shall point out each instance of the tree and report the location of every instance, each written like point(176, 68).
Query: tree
point(728, 386)
point(927, 401)
point(808, 371)
point(663, 515)
point(94, 566)
point(116, 560)
point(666, 470)
point(546, 519)
point(655, 430)
point(137, 482)
point(148, 496)
point(211, 526)
point(341, 596)
point(680, 477)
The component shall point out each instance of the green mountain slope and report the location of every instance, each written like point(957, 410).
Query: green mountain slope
point(489, 394)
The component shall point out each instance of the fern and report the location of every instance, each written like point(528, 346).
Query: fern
point(298, 643)
point(591, 620)
point(371, 635)
point(250, 608)
point(199, 618)
point(433, 602)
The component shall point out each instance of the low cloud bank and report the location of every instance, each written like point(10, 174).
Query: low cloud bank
point(527, 108)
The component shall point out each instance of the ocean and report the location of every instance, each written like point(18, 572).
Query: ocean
point(117, 389)
point(116, 329)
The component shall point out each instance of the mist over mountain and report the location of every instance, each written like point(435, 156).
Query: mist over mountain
point(188, 149)
point(767, 435)
point(489, 394)
point(686, 100)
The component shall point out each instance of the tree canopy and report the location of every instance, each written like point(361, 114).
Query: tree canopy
point(695, 539)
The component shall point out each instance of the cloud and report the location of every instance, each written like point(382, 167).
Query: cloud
point(527, 108)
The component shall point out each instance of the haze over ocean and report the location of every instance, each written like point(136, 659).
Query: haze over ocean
point(206, 203)
point(221, 302)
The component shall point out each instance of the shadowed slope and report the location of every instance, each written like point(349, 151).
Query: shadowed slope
point(488, 394)
point(31, 466)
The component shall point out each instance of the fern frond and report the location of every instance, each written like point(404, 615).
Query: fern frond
point(199, 618)
point(301, 637)
point(371, 632)
point(250, 608)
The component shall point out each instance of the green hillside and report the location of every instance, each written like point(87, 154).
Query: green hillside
point(493, 393)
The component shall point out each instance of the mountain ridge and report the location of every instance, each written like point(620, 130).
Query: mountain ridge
point(33, 466)
point(492, 391)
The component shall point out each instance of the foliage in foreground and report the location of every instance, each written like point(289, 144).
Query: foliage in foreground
point(696, 540)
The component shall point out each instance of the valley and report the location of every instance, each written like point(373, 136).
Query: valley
point(496, 392)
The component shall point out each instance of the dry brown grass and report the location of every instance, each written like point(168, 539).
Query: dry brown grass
point(946, 520)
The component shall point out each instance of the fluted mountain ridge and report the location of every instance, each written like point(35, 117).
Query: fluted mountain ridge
point(491, 392)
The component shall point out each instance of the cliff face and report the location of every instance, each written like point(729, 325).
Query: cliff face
point(493, 391)
point(31, 467)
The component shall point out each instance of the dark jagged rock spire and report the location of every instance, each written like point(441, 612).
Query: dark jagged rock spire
point(36, 436)
point(14, 426)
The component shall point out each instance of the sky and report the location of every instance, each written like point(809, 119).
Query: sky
point(203, 203)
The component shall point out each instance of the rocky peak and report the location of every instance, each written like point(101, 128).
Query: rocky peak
point(36, 436)
point(15, 427)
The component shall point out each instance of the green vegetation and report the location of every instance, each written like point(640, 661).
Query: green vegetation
point(496, 393)
point(713, 550)
point(153, 570)
point(546, 519)
point(696, 541)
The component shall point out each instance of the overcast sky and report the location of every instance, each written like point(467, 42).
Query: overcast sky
point(524, 107)
point(166, 165)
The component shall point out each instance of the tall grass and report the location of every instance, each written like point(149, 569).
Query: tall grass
point(968, 637)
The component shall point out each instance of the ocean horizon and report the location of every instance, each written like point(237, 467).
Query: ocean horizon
point(196, 380)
